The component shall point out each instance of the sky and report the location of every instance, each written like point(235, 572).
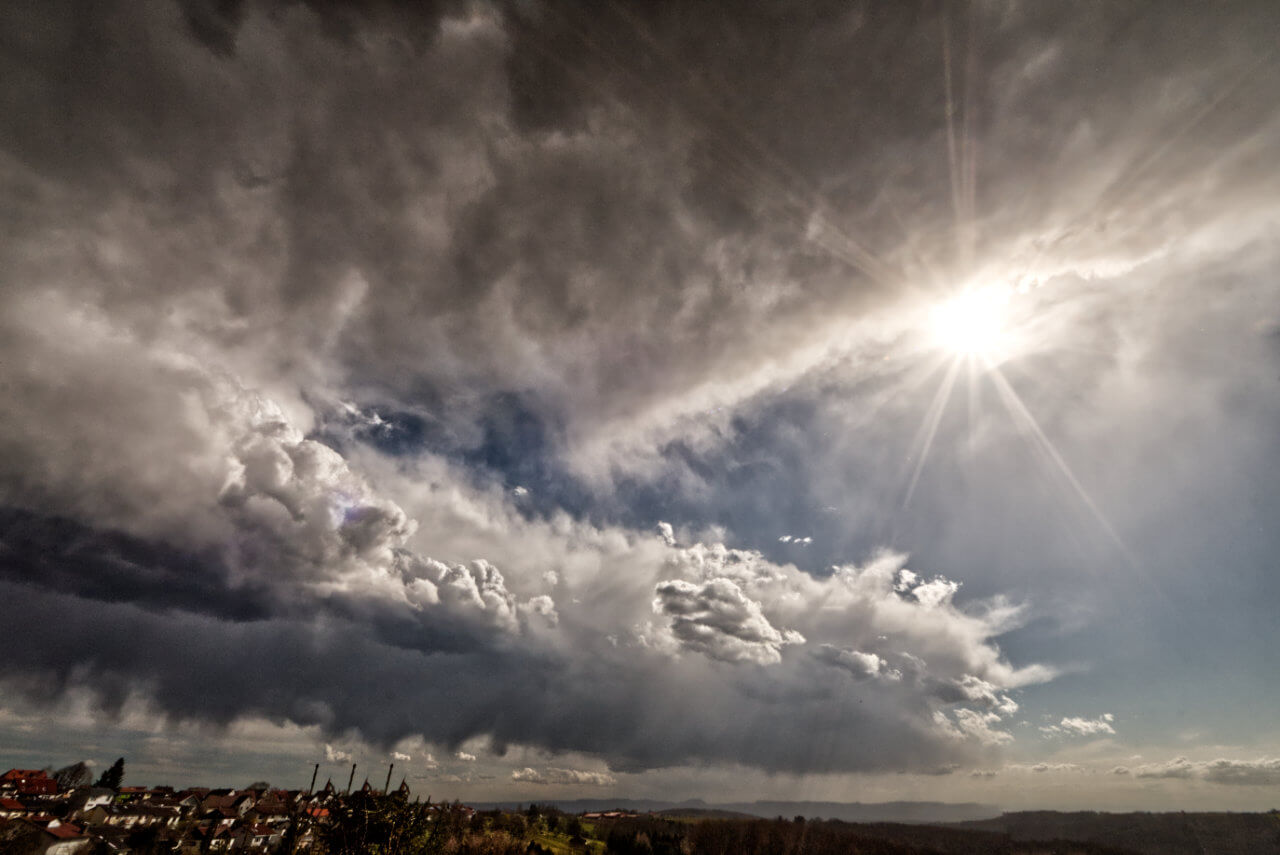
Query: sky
point(828, 400)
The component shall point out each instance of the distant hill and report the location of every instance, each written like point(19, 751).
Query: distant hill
point(904, 812)
point(703, 813)
point(1147, 833)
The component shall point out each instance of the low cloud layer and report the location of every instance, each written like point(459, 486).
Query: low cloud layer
point(1261, 772)
point(578, 777)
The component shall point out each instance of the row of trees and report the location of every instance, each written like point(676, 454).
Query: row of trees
point(367, 822)
point(78, 775)
point(532, 820)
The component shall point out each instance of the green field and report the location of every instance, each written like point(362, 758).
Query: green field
point(558, 843)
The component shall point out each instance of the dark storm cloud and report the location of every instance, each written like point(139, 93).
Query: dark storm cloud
point(113, 567)
point(68, 556)
point(333, 673)
point(616, 258)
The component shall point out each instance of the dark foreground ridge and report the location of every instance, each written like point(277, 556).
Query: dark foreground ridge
point(45, 812)
point(1149, 833)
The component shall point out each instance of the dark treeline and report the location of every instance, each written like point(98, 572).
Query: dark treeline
point(659, 836)
point(389, 824)
point(370, 823)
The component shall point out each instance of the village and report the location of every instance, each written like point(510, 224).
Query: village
point(43, 817)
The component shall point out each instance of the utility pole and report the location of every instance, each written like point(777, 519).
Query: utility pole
point(387, 789)
point(351, 779)
point(311, 789)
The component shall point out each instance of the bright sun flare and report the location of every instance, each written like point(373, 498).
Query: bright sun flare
point(971, 324)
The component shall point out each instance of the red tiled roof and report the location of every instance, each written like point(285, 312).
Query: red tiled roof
point(18, 774)
point(50, 825)
point(64, 832)
point(38, 786)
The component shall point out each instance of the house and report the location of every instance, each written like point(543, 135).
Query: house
point(191, 844)
point(87, 798)
point(137, 815)
point(189, 801)
point(219, 839)
point(256, 837)
point(96, 815)
point(10, 779)
point(305, 840)
point(57, 837)
point(109, 839)
point(13, 809)
point(219, 818)
point(28, 782)
point(268, 809)
point(238, 803)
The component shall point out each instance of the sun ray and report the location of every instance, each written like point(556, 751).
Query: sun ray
point(973, 407)
point(969, 147)
point(698, 98)
point(922, 443)
point(1123, 186)
point(1031, 428)
point(953, 157)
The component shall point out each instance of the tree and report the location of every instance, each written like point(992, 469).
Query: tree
point(368, 822)
point(113, 777)
point(70, 777)
point(18, 837)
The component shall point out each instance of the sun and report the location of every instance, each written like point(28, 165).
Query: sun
point(971, 323)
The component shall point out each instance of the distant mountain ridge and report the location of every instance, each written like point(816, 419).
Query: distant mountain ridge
point(905, 812)
point(1170, 833)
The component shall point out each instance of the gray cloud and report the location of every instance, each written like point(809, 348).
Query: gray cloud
point(334, 668)
point(1261, 772)
point(719, 620)
point(553, 775)
point(861, 665)
point(1079, 726)
point(300, 297)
